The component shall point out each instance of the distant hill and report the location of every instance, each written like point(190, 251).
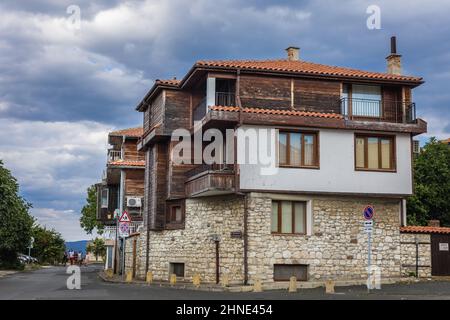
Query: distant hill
point(77, 246)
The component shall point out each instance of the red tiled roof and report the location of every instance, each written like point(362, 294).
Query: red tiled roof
point(420, 229)
point(304, 67)
point(170, 82)
point(127, 163)
point(279, 112)
point(131, 132)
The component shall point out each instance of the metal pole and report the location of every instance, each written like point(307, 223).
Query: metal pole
point(123, 256)
point(369, 262)
point(417, 257)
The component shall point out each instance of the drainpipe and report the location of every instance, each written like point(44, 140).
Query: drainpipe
point(217, 261)
point(236, 178)
point(146, 202)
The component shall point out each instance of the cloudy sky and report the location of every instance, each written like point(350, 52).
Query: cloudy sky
point(62, 88)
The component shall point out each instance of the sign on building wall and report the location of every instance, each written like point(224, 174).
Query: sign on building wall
point(443, 246)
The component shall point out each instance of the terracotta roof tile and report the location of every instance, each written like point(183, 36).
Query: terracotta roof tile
point(130, 132)
point(279, 112)
point(303, 67)
point(127, 163)
point(168, 82)
point(420, 229)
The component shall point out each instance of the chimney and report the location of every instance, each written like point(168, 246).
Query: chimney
point(293, 53)
point(434, 223)
point(394, 60)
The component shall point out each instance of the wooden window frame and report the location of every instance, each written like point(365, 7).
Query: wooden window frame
point(316, 149)
point(279, 232)
point(172, 224)
point(380, 137)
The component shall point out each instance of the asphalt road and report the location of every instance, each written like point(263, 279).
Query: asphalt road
point(50, 283)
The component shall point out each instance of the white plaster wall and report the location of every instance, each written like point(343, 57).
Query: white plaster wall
point(337, 170)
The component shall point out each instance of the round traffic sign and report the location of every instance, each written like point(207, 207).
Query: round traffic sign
point(368, 212)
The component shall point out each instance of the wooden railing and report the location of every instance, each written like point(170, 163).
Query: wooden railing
point(204, 168)
point(226, 99)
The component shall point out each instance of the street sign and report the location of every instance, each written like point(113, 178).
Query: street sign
point(124, 229)
point(125, 217)
point(368, 212)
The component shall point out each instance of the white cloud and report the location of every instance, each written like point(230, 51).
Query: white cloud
point(54, 163)
point(65, 222)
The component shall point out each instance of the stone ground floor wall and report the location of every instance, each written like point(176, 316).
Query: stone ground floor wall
point(334, 248)
point(408, 254)
point(194, 245)
point(336, 244)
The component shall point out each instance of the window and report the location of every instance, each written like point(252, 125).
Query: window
point(177, 269)
point(104, 198)
point(288, 217)
point(363, 100)
point(175, 213)
point(298, 149)
point(375, 153)
point(283, 272)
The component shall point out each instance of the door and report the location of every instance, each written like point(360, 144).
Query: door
point(440, 255)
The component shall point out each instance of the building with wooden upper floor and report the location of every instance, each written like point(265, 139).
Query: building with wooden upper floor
point(343, 140)
point(122, 186)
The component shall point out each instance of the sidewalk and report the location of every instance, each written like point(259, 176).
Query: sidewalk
point(4, 273)
point(250, 288)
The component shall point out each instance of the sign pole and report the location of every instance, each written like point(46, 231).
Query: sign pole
point(369, 262)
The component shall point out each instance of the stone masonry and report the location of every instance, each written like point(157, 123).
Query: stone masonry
point(408, 251)
point(335, 248)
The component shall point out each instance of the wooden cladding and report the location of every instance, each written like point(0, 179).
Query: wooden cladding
point(375, 153)
point(134, 182)
point(286, 93)
point(130, 151)
point(156, 186)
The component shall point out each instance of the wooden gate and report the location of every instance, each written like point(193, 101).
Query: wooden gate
point(440, 254)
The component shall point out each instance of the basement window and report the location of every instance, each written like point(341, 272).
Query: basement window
point(283, 272)
point(177, 269)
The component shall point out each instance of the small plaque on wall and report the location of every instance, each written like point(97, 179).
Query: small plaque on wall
point(236, 234)
point(443, 246)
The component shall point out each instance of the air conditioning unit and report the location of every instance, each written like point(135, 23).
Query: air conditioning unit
point(134, 202)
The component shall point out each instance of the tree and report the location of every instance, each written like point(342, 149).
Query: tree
point(97, 247)
point(88, 220)
point(15, 220)
point(49, 246)
point(431, 200)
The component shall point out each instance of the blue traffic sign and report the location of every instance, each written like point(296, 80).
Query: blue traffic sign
point(368, 212)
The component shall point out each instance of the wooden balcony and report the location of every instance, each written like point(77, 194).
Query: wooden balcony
point(210, 180)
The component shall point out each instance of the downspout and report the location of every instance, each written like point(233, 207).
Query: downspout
point(147, 206)
point(236, 178)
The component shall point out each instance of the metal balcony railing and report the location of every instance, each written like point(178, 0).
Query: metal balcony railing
point(380, 110)
point(109, 232)
point(114, 155)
